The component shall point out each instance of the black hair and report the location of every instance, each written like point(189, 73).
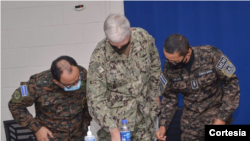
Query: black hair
point(57, 70)
point(176, 43)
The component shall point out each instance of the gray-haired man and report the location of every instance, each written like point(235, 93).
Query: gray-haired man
point(123, 81)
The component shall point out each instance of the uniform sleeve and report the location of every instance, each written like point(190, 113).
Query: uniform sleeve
point(169, 106)
point(226, 74)
point(155, 69)
point(169, 103)
point(22, 98)
point(96, 89)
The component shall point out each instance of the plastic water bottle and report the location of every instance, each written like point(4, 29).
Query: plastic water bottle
point(89, 136)
point(125, 132)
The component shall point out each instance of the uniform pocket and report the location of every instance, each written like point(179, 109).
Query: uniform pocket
point(179, 85)
point(117, 82)
point(144, 63)
point(52, 103)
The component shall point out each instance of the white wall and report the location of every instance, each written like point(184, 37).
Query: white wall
point(34, 33)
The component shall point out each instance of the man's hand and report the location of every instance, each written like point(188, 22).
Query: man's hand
point(115, 135)
point(160, 134)
point(42, 134)
point(219, 122)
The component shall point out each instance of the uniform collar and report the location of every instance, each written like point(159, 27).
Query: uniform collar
point(197, 61)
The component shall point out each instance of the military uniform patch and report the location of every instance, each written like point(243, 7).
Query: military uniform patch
point(229, 69)
point(222, 62)
point(163, 83)
point(163, 80)
point(177, 79)
point(98, 68)
point(205, 72)
point(16, 96)
point(194, 84)
point(226, 66)
point(24, 90)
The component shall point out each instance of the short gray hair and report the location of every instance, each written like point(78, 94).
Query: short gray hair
point(116, 27)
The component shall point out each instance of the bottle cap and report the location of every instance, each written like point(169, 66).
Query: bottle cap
point(124, 121)
point(89, 133)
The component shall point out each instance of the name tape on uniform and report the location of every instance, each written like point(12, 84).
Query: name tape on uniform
point(205, 72)
point(177, 79)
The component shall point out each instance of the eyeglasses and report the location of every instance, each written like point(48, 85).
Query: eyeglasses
point(79, 79)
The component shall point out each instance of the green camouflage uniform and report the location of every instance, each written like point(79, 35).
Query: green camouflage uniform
point(211, 91)
point(121, 87)
point(65, 114)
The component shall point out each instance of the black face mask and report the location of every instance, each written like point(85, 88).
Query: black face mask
point(121, 50)
point(177, 65)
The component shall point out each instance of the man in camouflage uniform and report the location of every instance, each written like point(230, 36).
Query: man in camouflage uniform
point(123, 81)
point(60, 101)
point(208, 83)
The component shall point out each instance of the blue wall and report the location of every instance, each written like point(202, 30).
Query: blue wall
point(225, 25)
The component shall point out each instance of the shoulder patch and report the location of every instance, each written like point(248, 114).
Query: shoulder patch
point(229, 69)
point(24, 90)
point(226, 66)
point(163, 83)
point(17, 96)
point(222, 62)
point(163, 80)
point(100, 69)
